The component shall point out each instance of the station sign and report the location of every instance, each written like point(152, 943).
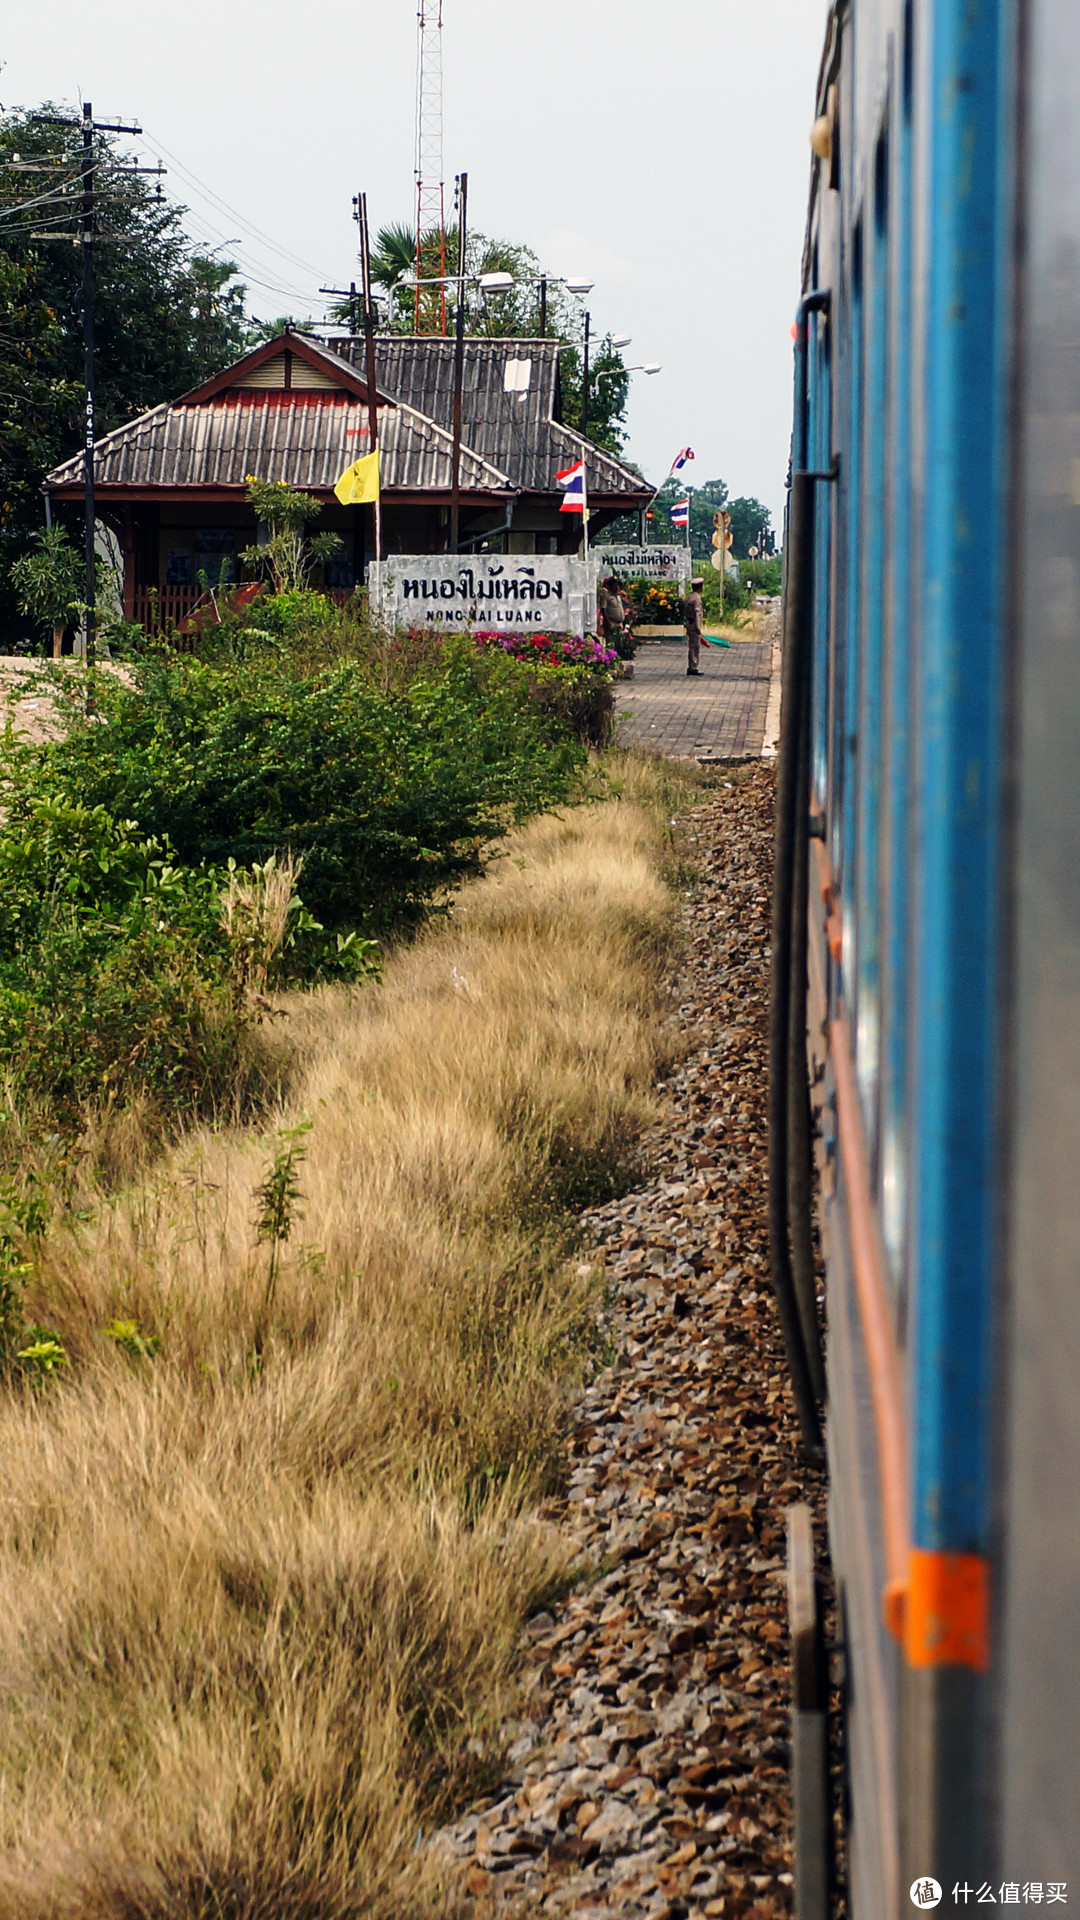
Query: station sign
point(643, 563)
point(483, 592)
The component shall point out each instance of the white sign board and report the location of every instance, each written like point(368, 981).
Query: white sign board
point(643, 563)
point(548, 592)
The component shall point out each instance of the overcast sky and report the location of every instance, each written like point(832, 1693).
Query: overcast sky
point(657, 147)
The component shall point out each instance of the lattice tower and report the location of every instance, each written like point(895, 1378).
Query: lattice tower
point(430, 303)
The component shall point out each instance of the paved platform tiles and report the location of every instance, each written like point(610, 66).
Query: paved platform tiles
point(721, 716)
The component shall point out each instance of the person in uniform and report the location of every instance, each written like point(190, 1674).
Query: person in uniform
point(612, 614)
point(693, 621)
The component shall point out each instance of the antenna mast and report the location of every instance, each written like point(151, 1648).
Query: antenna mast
point(430, 302)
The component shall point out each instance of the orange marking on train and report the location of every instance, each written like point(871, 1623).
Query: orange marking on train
point(947, 1612)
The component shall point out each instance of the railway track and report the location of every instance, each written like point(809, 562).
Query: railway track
point(649, 1772)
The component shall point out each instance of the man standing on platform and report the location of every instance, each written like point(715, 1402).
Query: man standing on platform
point(693, 612)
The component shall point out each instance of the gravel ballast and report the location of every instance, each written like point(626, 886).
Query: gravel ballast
point(650, 1776)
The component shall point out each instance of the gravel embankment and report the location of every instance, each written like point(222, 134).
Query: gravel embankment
point(651, 1778)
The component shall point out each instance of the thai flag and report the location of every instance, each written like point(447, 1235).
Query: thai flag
point(680, 512)
point(572, 482)
point(682, 458)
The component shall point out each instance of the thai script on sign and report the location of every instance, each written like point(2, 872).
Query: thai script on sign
point(484, 590)
point(643, 563)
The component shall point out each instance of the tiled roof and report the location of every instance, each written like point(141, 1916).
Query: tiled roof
point(246, 421)
point(517, 431)
point(309, 440)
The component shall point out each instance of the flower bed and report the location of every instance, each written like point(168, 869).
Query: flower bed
point(573, 678)
point(656, 603)
point(552, 649)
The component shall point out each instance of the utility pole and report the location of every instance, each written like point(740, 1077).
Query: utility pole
point(369, 353)
point(585, 385)
point(88, 226)
point(362, 308)
point(543, 306)
point(459, 366)
point(89, 212)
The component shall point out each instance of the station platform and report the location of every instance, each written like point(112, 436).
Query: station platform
point(731, 713)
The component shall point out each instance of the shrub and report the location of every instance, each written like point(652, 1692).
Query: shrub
point(722, 595)
point(762, 576)
point(115, 974)
point(219, 827)
point(572, 682)
point(386, 798)
point(551, 649)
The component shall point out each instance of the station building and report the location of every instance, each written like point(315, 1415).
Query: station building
point(170, 485)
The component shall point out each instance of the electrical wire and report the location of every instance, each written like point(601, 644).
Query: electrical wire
point(12, 223)
point(154, 145)
point(27, 206)
point(248, 267)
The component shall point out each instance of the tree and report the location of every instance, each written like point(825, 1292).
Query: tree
point(286, 554)
point(751, 526)
point(165, 316)
point(48, 582)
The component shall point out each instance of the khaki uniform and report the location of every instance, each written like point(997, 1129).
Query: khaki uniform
point(612, 614)
point(693, 621)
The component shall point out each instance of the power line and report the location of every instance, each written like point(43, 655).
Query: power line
point(209, 193)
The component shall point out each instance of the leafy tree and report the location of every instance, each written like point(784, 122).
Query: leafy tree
point(705, 500)
point(37, 400)
point(750, 521)
point(48, 581)
point(287, 555)
point(751, 526)
point(165, 316)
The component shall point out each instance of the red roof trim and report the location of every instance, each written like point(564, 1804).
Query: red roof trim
point(285, 397)
point(317, 357)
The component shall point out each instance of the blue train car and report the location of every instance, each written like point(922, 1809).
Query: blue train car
point(927, 937)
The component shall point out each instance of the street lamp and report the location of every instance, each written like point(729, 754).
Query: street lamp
point(497, 282)
point(643, 366)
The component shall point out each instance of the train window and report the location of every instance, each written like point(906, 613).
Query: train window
point(881, 182)
point(846, 659)
point(821, 450)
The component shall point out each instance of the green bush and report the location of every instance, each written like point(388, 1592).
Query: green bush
point(115, 976)
point(386, 798)
point(722, 595)
point(576, 701)
point(147, 853)
point(656, 602)
point(762, 576)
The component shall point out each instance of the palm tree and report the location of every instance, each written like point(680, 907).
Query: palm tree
point(394, 255)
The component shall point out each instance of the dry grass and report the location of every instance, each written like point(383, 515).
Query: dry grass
point(259, 1593)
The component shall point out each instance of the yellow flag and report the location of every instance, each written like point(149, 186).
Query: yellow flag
point(359, 482)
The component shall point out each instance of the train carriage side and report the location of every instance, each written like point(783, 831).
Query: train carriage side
point(935, 537)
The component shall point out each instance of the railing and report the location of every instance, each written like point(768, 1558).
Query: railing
point(161, 609)
point(166, 610)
